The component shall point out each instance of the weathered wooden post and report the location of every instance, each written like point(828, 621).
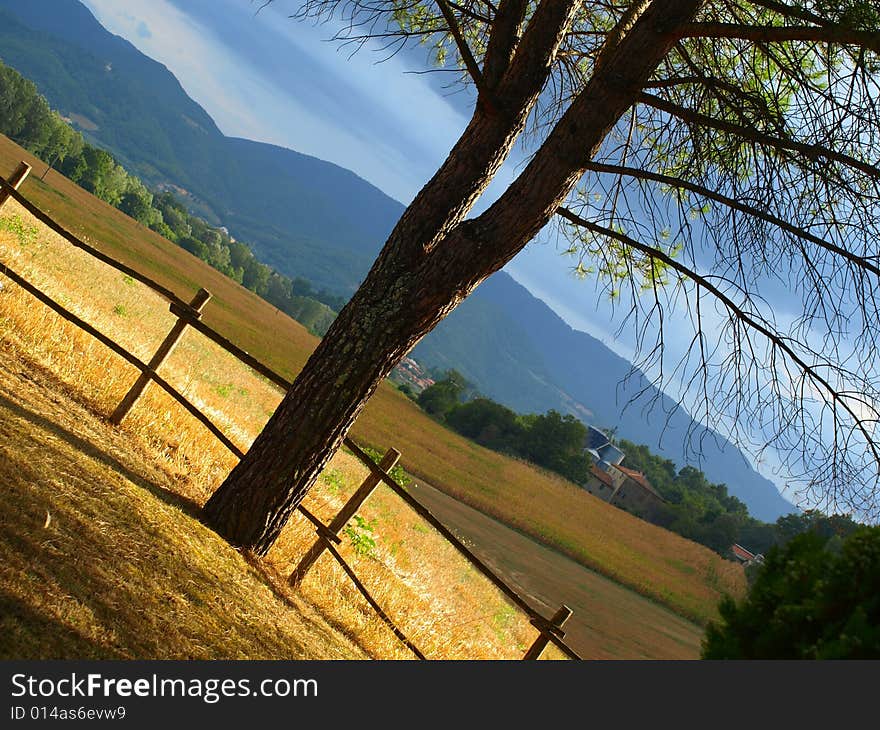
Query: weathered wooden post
point(559, 618)
point(165, 349)
point(345, 514)
point(18, 177)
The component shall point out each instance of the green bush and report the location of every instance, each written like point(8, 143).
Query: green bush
point(815, 598)
point(396, 472)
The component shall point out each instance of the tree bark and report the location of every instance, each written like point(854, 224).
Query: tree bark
point(434, 259)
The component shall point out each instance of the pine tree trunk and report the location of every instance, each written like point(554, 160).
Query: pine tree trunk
point(371, 335)
point(432, 261)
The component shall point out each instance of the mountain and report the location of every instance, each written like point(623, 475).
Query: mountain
point(519, 352)
point(310, 218)
point(303, 216)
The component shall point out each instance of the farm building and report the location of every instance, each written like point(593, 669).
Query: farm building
point(625, 488)
point(745, 556)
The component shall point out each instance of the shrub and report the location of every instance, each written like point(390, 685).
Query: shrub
point(815, 598)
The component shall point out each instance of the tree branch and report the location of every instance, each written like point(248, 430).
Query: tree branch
point(773, 337)
point(480, 246)
point(677, 182)
point(776, 34)
point(792, 12)
point(810, 151)
point(463, 48)
point(503, 40)
point(538, 46)
point(715, 86)
point(469, 13)
point(623, 26)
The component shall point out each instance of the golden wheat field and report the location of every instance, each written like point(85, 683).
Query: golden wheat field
point(461, 615)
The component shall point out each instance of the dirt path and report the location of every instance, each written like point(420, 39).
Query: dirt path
point(609, 621)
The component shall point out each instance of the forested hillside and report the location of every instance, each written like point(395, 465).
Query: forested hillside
point(25, 117)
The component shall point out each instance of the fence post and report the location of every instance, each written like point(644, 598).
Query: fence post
point(18, 177)
point(559, 618)
point(345, 514)
point(197, 304)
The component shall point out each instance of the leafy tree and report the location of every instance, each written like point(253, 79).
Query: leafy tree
point(137, 207)
point(240, 256)
point(279, 290)
point(810, 600)
point(174, 215)
point(301, 287)
point(74, 167)
point(556, 442)
point(790, 526)
point(61, 141)
point(488, 423)
point(96, 177)
point(161, 227)
point(256, 277)
point(757, 536)
point(444, 395)
point(311, 313)
point(334, 301)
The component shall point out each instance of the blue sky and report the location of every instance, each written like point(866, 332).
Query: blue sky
point(264, 76)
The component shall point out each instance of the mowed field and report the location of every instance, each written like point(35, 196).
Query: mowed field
point(102, 558)
point(682, 575)
point(549, 579)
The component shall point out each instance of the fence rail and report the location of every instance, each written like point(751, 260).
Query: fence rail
point(189, 314)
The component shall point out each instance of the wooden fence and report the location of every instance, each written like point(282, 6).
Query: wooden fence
point(189, 315)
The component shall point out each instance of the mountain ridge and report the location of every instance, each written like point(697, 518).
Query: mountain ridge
point(145, 119)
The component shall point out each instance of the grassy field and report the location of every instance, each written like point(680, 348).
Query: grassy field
point(100, 558)
point(447, 609)
point(682, 575)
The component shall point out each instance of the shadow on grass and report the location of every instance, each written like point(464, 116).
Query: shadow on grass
point(29, 634)
point(187, 506)
point(136, 594)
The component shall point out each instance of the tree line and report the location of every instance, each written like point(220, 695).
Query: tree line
point(27, 118)
point(706, 513)
point(695, 508)
point(550, 440)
